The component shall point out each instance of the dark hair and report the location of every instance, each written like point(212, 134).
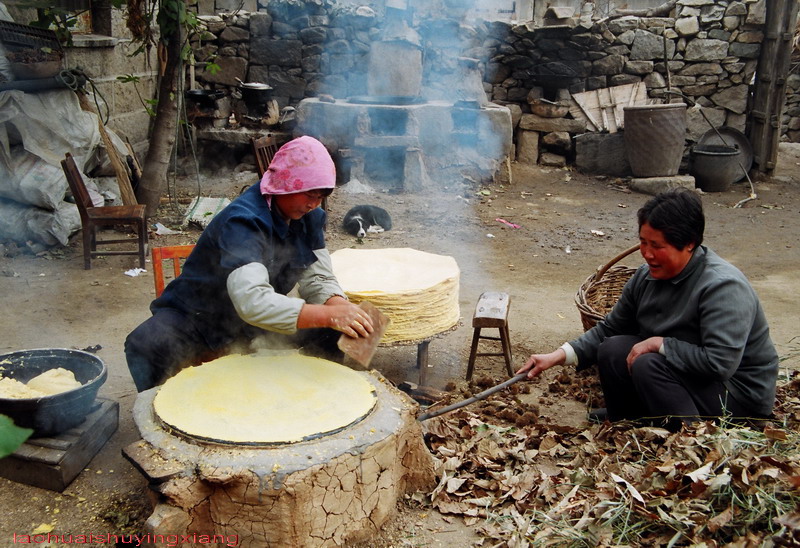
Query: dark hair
point(678, 213)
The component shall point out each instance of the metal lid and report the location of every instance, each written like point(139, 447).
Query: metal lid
point(254, 85)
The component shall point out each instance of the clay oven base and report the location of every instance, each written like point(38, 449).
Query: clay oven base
point(327, 492)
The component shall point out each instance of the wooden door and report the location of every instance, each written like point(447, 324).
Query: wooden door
point(769, 95)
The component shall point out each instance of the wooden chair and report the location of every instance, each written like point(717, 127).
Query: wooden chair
point(174, 253)
point(93, 218)
point(264, 149)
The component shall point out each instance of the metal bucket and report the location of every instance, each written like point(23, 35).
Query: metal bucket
point(715, 167)
point(51, 415)
point(654, 138)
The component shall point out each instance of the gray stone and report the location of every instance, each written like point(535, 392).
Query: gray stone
point(626, 37)
point(736, 121)
point(655, 80)
point(552, 160)
point(700, 90)
point(695, 3)
point(612, 64)
point(234, 34)
point(596, 82)
point(656, 185)
point(527, 147)
point(697, 69)
point(516, 114)
point(706, 50)
point(260, 24)
point(736, 8)
point(602, 153)
point(648, 46)
point(619, 50)
point(319, 20)
point(622, 79)
point(730, 22)
point(559, 141)
point(313, 35)
point(711, 14)
point(284, 53)
point(681, 81)
point(214, 23)
point(282, 29)
point(745, 51)
point(733, 98)
point(641, 68)
point(231, 68)
point(696, 125)
point(623, 24)
point(750, 37)
point(286, 85)
point(757, 13)
point(532, 122)
point(687, 26)
point(719, 34)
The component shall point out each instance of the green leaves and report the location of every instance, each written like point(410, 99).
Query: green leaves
point(11, 436)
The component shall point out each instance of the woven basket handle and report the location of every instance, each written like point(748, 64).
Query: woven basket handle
point(615, 260)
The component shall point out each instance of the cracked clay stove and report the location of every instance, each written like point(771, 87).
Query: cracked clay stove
point(328, 489)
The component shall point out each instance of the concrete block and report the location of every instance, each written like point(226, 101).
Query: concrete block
point(528, 147)
point(654, 185)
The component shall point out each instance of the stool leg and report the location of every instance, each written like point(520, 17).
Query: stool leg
point(505, 340)
point(473, 352)
point(422, 362)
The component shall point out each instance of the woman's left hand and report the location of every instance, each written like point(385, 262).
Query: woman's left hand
point(647, 346)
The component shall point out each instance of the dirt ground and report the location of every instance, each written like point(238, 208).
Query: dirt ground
point(569, 224)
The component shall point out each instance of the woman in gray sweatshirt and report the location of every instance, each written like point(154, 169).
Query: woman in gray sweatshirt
point(688, 337)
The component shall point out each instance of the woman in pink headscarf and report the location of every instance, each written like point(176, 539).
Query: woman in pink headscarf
point(235, 284)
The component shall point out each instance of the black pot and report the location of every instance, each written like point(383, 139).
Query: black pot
point(255, 94)
point(51, 415)
point(204, 97)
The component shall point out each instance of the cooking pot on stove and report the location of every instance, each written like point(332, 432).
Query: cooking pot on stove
point(204, 97)
point(255, 94)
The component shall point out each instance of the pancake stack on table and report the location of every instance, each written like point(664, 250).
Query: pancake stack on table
point(418, 291)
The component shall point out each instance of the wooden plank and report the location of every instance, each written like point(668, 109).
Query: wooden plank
point(603, 108)
point(51, 464)
point(150, 463)
point(583, 112)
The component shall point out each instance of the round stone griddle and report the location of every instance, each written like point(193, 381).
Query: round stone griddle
point(263, 400)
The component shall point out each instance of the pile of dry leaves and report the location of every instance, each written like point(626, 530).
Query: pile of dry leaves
point(524, 483)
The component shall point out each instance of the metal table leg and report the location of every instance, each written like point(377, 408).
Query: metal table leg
point(422, 362)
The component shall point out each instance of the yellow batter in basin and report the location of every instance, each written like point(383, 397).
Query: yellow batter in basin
point(256, 399)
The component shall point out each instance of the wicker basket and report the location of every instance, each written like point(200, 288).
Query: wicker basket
point(600, 292)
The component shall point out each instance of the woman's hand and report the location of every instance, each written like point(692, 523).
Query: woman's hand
point(337, 313)
point(540, 362)
point(348, 318)
point(647, 346)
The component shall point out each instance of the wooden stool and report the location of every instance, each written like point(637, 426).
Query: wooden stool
point(491, 311)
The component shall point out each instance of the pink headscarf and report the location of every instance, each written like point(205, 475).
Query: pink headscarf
point(300, 165)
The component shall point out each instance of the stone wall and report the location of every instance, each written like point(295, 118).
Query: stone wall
point(305, 49)
point(790, 123)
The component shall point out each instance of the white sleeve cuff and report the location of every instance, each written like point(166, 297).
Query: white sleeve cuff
point(572, 357)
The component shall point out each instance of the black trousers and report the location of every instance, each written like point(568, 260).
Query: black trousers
point(169, 341)
point(656, 390)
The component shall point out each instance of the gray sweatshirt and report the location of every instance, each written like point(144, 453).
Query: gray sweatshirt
point(712, 323)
